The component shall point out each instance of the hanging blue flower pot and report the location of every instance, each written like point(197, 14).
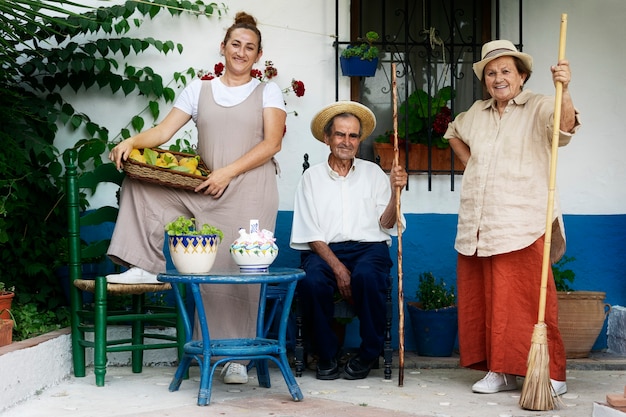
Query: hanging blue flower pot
point(435, 330)
point(357, 67)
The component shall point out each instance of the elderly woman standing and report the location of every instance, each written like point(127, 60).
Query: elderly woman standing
point(505, 143)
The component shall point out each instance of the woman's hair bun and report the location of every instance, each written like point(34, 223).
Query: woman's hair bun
point(245, 18)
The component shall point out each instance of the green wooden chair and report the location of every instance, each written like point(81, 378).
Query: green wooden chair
point(142, 315)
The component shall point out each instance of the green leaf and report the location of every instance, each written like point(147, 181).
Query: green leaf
point(154, 109)
point(138, 124)
point(76, 121)
point(127, 86)
point(114, 45)
point(169, 94)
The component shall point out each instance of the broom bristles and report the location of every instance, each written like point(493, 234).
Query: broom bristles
point(537, 390)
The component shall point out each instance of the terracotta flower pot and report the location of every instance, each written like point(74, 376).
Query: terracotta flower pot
point(6, 332)
point(6, 299)
point(418, 157)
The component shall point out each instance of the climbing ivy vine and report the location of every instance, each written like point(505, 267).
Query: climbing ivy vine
point(47, 48)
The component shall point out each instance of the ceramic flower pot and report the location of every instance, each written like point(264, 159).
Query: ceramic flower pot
point(435, 330)
point(6, 332)
point(193, 254)
point(6, 299)
point(357, 67)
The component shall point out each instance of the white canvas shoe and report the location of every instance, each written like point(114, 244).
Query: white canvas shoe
point(234, 373)
point(559, 387)
point(495, 382)
point(133, 276)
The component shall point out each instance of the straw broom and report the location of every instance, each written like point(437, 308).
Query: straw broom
point(537, 390)
point(398, 215)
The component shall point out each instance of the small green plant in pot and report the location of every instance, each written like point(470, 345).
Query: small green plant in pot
point(434, 316)
point(362, 59)
point(563, 276)
point(193, 249)
point(434, 294)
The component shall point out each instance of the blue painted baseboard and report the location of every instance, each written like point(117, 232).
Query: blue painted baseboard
point(597, 243)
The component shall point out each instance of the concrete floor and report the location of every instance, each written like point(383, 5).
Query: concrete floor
point(431, 387)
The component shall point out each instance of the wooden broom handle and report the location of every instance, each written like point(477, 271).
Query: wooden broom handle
point(552, 185)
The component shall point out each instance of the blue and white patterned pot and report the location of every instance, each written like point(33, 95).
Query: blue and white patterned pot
point(193, 254)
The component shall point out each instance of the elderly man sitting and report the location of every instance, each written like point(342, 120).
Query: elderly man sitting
point(344, 216)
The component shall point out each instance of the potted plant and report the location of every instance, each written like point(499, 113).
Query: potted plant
point(6, 298)
point(193, 249)
point(581, 313)
point(422, 120)
point(361, 60)
point(434, 316)
point(6, 327)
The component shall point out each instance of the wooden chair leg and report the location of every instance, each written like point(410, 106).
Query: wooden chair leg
point(299, 348)
point(100, 330)
point(137, 329)
point(78, 349)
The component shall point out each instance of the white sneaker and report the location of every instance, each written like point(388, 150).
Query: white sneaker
point(495, 382)
point(133, 276)
point(559, 387)
point(235, 373)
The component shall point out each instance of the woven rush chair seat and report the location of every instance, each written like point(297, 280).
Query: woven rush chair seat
point(135, 306)
point(89, 285)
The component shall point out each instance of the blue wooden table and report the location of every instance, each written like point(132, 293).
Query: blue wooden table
point(259, 349)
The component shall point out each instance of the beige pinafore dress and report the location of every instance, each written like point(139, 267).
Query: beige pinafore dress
point(224, 135)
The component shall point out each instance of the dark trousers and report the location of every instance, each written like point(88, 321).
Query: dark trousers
point(369, 265)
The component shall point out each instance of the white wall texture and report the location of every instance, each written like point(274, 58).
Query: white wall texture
point(298, 38)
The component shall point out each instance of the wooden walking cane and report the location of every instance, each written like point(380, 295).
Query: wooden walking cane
point(537, 390)
point(399, 222)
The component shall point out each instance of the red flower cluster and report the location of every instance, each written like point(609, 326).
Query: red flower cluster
point(297, 87)
point(442, 119)
point(270, 70)
point(218, 70)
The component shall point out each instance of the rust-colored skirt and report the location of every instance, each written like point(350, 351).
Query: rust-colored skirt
point(498, 304)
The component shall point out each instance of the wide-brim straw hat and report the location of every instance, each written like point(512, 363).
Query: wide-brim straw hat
point(365, 115)
point(495, 49)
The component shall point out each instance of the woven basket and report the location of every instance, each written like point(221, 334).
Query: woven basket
point(165, 176)
point(6, 332)
point(581, 317)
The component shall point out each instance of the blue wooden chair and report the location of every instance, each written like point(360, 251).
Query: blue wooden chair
point(93, 318)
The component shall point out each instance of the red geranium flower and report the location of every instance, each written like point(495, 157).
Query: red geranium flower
point(255, 73)
point(297, 87)
point(218, 69)
point(442, 119)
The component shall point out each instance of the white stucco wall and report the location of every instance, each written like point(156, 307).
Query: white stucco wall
point(297, 37)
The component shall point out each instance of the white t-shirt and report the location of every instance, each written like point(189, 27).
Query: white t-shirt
point(228, 96)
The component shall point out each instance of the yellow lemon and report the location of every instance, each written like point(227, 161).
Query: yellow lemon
point(136, 155)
